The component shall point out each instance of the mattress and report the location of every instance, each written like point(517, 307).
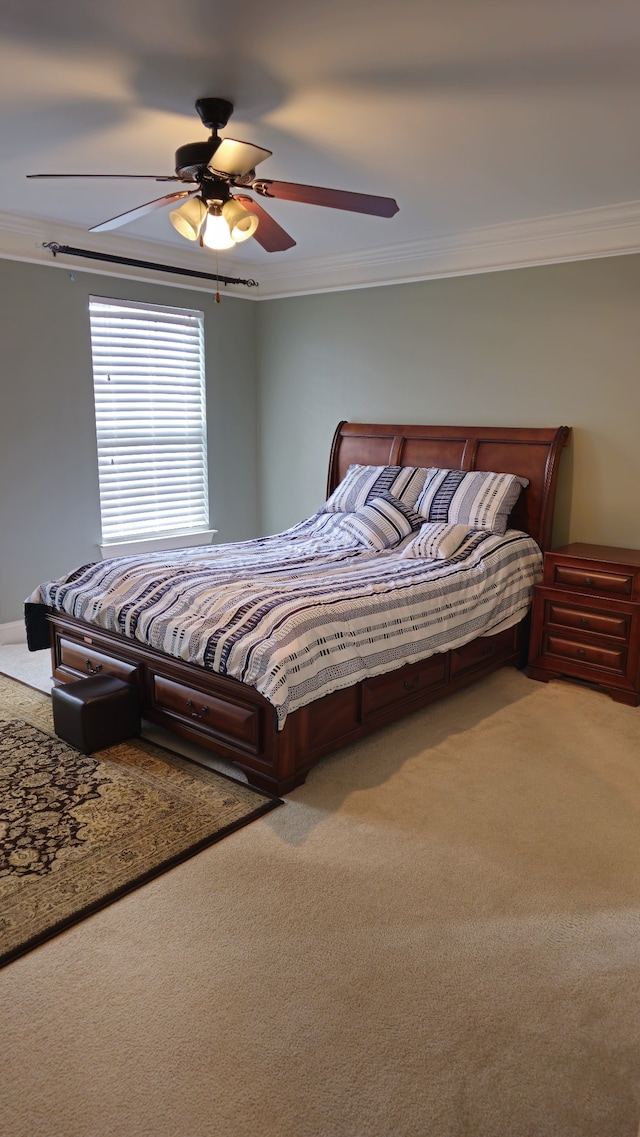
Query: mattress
point(305, 612)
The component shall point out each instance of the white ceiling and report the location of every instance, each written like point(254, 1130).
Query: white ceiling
point(506, 130)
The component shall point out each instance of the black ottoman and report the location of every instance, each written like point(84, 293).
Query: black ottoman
point(95, 712)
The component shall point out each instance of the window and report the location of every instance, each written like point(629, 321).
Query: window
point(149, 386)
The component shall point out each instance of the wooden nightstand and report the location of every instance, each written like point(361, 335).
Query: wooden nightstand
point(585, 620)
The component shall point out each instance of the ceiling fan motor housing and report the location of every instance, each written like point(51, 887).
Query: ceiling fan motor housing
point(192, 158)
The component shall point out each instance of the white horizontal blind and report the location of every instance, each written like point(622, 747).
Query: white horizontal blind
point(149, 385)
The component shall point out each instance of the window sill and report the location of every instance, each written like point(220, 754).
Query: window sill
point(157, 544)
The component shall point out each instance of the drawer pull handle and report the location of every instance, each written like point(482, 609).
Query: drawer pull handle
point(487, 649)
point(411, 684)
point(588, 580)
point(197, 714)
point(584, 623)
point(581, 652)
point(91, 669)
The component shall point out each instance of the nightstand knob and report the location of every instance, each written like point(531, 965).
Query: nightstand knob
point(584, 622)
point(588, 580)
point(581, 652)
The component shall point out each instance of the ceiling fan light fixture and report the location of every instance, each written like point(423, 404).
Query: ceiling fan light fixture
point(189, 218)
point(209, 212)
point(242, 224)
point(216, 233)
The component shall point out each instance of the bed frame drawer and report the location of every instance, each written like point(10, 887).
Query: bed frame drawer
point(384, 691)
point(82, 659)
point(215, 717)
point(480, 652)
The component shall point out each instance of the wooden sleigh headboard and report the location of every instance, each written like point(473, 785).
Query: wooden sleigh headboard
point(532, 453)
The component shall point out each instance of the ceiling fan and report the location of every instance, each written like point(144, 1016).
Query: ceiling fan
point(209, 170)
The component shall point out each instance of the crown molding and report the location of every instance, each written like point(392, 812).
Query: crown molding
point(600, 232)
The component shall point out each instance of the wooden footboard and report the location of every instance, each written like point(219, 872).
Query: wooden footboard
point(237, 723)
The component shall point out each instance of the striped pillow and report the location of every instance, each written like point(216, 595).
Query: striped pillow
point(477, 498)
point(381, 523)
point(437, 540)
point(362, 483)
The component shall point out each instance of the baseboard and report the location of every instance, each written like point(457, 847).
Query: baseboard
point(13, 633)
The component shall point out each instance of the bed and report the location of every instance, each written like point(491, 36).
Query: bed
point(277, 736)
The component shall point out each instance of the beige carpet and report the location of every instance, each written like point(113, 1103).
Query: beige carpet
point(437, 936)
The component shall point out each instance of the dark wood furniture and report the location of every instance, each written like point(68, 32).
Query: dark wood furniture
point(235, 720)
point(585, 621)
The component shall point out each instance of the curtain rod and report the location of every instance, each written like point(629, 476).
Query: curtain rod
point(70, 250)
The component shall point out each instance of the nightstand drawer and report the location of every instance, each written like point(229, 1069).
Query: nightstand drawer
point(592, 580)
point(615, 625)
point(596, 655)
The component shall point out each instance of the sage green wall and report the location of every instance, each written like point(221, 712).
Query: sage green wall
point(539, 346)
point(544, 346)
point(49, 499)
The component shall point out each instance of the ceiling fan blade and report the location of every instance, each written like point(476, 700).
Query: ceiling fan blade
point(237, 158)
point(151, 177)
point(272, 237)
point(142, 210)
point(334, 199)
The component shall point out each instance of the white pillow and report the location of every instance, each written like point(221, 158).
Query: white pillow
point(437, 540)
point(478, 498)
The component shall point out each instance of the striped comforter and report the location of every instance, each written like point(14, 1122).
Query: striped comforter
point(305, 612)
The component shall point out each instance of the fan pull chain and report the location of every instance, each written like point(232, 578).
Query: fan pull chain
point(217, 289)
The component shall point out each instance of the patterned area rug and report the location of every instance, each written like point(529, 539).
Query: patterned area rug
point(78, 831)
